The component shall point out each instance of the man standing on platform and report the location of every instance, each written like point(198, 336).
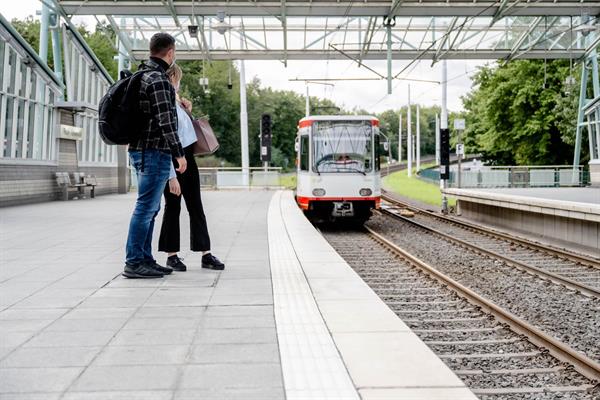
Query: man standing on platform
point(151, 156)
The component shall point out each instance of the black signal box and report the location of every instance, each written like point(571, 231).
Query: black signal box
point(444, 154)
point(265, 138)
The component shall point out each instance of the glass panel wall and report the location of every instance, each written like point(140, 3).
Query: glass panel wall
point(26, 103)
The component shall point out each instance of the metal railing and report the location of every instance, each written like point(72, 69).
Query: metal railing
point(513, 176)
point(235, 177)
point(232, 177)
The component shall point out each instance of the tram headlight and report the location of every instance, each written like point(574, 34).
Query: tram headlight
point(318, 192)
point(365, 192)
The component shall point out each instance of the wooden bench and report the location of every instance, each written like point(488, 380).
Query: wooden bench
point(79, 181)
point(91, 182)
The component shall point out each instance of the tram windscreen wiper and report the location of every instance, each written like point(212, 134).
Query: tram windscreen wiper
point(356, 170)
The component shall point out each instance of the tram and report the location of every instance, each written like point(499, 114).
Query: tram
point(338, 166)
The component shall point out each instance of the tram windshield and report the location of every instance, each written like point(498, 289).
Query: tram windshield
point(342, 146)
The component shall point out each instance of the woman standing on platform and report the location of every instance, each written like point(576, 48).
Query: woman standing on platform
point(188, 186)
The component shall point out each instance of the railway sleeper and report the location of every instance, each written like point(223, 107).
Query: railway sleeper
point(510, 371)
point(524, 390)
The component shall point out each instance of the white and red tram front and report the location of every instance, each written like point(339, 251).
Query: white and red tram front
point(338, 167)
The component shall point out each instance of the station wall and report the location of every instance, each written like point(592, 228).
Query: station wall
point(36, 105)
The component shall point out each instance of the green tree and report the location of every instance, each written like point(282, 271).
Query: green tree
point(520, 114)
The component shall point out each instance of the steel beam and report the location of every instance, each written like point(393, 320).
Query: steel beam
point(123, 39)
point(593, 46)
point(445, 38)
point(394, 8)
point(517, 46)
point(172, 11)
point(205, 47)
point(541, 38)
point(331, 8)
point(502, 10)
point(319, 54)
point(328, 33)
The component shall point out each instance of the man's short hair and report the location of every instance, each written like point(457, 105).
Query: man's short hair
point(160, 43)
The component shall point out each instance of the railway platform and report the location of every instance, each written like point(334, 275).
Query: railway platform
point(564, 217)
point(286, 319)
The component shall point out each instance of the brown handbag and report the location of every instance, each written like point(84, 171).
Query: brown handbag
point(206, 143)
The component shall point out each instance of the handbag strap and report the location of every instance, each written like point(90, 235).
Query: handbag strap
point(187, 112)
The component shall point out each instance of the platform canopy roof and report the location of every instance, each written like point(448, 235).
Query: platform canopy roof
point(345, 29)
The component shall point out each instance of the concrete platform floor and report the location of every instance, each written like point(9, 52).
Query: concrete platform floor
point(72, 328)
point(589, 195)
point(287, 319)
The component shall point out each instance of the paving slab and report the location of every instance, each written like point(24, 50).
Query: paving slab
point(380, 356)
point(72, 328)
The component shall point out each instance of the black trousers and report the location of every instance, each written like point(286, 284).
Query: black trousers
point(190, 191)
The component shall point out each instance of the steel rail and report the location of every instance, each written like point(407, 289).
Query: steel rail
point(583, 364)
point(563, 253)
point(557, 279)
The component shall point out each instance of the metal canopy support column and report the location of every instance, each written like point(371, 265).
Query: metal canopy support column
point(409, 146)
point(44, 29)
point(418, 141)
point(400, 135)
point(123, 181)
point(589, 71)
point(244, 125)
point(437, 139)
point(40, 132)
point(444, 116)
point(284, 26)
point(54, 27)
point(121, 55)
point(307, 106)
point(388, 28)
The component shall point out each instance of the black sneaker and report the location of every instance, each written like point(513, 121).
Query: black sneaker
point(176, 263)
point(212, 262)
point(157, 267)
point(141, 271)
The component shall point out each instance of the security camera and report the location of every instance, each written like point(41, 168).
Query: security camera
point(193, 30)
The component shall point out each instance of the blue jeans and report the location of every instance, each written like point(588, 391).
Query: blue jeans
point(151, 184)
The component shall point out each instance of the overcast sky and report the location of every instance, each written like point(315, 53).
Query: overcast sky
point(370, 95)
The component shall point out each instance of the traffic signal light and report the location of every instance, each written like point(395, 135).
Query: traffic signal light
point(265, 138)
point(444, 153)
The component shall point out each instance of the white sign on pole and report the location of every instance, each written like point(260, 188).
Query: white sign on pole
point(70, 132)
point(459, 124)
point(460, 149)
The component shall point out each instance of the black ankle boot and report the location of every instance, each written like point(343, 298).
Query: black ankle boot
point(176, 263)
point(211, 262)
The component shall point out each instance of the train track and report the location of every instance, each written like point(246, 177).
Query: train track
point(577, 272)
point(497, 354)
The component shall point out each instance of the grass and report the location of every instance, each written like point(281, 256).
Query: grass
point(288, 180)
point(415, 188)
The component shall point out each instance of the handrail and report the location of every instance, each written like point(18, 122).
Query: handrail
point(239, 168)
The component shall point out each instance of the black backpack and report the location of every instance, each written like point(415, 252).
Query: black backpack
point(120, 118)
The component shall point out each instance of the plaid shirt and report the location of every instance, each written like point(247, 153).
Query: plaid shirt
point(157, 100)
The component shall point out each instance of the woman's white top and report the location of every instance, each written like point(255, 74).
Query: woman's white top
point(186, 132)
